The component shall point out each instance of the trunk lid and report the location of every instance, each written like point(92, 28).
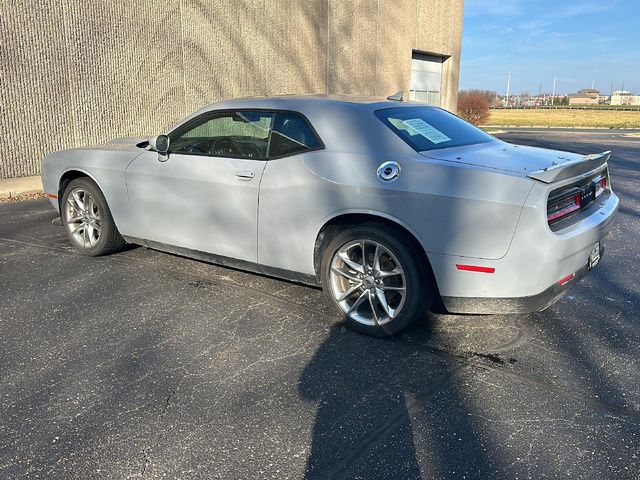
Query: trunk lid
point(507, 157)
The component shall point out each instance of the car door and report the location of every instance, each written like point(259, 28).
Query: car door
point(292, 195)
point(204, 194)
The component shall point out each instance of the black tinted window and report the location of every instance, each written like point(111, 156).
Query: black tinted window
point(427, 128)
point(291, 134)
point(234, 134)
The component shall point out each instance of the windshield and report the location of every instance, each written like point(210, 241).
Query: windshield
point(429, 128)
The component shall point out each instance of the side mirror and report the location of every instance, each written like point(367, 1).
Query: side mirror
point(160, 144)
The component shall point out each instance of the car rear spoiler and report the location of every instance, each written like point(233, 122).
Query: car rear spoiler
point(562, 171)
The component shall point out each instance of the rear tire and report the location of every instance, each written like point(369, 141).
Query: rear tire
point(380, 292)
point(87, 220)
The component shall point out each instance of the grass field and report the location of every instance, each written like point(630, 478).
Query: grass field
point(602, 107)
point(564, 118)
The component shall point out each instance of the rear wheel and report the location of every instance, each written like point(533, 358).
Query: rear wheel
point(375, 280)
point(87, 219)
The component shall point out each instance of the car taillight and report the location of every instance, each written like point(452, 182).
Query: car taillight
point(565, 201)
point(601, 186)
point(562, 207)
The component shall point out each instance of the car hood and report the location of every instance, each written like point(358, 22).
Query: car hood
point(504, 156)
point(129, 144)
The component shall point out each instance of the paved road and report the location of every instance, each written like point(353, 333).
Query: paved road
point(143, 364)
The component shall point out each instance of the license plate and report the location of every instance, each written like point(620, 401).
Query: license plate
point(594, 256)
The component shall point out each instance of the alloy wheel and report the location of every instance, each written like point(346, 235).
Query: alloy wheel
point(82, 218)
point(368, 282)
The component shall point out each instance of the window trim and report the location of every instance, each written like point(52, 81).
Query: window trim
point(213, 113)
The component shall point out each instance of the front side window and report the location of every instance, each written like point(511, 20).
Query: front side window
point(428, 128)
point(241, 134)
point(291, 134)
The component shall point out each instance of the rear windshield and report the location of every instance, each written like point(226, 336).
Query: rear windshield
point(429, 128)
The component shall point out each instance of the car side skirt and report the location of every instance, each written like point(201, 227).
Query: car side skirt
point(227, 262)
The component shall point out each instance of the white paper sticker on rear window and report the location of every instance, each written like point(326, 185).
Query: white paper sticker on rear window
point(417, 126)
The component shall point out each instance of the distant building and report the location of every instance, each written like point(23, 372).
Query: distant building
point(624, 97)
point(586, 96)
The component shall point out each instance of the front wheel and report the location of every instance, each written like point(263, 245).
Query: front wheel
point(375, 280)
point(87, 219)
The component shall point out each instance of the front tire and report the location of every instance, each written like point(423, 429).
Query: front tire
point(373, 276)
point(87, 219)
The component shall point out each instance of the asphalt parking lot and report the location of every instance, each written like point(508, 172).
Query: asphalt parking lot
point(144, 364)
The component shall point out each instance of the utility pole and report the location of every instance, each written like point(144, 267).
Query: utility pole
point(593, 82)
point(537, 103)
point(611, 93)
point(553, 94)
point(506, 103)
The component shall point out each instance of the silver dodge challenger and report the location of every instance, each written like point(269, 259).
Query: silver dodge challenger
point(389, 205)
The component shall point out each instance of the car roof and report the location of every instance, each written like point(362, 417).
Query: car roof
point(334, 117)
point(306, 104)
point(310, 101)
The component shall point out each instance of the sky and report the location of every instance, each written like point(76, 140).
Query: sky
point(576, 41)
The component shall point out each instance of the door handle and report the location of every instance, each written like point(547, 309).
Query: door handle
point(245, 175)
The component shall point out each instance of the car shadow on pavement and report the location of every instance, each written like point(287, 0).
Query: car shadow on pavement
point(389, 408)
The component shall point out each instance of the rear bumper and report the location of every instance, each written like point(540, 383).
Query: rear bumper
point(532, 303)
point(526, 278)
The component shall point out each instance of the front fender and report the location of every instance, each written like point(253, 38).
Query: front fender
point(106, 168)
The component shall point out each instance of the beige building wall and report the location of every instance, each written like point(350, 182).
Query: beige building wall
point(618, 99)
point(583, 100)
point(76, 73)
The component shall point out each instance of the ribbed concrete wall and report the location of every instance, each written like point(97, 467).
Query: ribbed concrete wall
point(77, 73)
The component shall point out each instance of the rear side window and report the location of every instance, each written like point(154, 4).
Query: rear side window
point(290, 134)
point(428, 128)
